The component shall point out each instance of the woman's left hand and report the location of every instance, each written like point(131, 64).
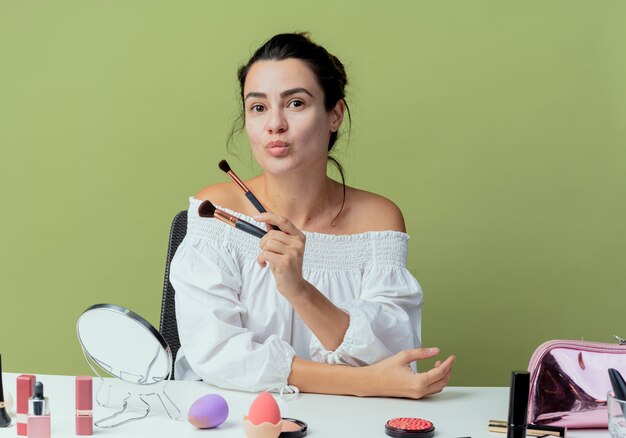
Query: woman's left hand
point(284, 251)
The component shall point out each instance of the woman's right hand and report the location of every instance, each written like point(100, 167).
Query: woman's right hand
point(393, 376)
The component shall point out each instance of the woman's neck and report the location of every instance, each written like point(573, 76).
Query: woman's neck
point(309, 202)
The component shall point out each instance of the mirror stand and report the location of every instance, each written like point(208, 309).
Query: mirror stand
point(131, 400)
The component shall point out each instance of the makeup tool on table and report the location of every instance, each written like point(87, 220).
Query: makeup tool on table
point(5, 420)
point(518, 404)
point(500, 426)
point(293, 428)
point(38, 414)
point(264, 420)
point(25, 384)
point(616, 404)
point(409, 427)
point(239, 183)
point(207, 209)
point(619, 386)
point(84, 405)
point(117, 341)
point(208, 411)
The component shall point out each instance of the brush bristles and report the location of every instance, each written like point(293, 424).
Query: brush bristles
point(206, 209)
point(224, 166)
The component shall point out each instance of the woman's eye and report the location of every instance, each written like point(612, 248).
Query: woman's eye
point(257, 108)
point(296, 103)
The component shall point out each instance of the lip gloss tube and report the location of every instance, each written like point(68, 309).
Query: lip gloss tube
point(84, 405)
point(38, 414)
point(25, 384)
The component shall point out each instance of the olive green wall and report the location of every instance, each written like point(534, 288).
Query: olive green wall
point(498, 127)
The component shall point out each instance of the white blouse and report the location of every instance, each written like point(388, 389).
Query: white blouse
point(238, 332)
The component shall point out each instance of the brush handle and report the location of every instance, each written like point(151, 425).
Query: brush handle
point(5, 420)
point(619, 387)
point(254, 201)
point(618, 384)
point(250, 229)
point(1, 389)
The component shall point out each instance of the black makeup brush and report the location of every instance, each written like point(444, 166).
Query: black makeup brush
point(226, 169)
point(619, 387)
point(207, 209)
point(5, 420)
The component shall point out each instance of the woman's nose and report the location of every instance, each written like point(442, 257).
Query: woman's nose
point(277, 123)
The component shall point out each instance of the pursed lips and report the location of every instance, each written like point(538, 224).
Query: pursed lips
point(276, 144)
point(277, 148)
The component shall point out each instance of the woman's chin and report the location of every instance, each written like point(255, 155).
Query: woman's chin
point(278, 165)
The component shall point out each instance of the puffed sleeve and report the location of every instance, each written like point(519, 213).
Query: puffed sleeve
point(214, 345)
point(385, 318)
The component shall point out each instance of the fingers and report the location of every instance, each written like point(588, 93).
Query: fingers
point(281, 222)
point(278, 243)
point(272, 254)
point(430, 382)
point(434, 380)
point(266, 257)
point(439, 374)
point(437, 386)
point(409, 356)
point(275, 247)
point(440, 371)
point(276, 236)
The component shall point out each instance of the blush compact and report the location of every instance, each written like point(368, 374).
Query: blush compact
point(292, 428)
point(409, 427)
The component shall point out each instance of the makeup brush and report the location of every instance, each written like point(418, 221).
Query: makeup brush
point(500, 426)
point(207, 209)
point(5, 420)
point(253, 200)
point(619, 387)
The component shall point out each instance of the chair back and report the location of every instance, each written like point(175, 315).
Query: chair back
point(168, 327)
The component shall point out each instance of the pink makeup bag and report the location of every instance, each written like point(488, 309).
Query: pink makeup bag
point(569, 382)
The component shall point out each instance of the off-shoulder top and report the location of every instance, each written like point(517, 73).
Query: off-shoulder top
point(238, 332)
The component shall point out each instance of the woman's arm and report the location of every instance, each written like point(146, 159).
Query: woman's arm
point(327, 321)
point(384, 319)
point(284, 250)
point(215, 345)
point(391, 377)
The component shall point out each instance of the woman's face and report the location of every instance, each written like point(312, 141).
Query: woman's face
point(287, 124)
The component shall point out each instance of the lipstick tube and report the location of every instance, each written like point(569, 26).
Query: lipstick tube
point(25, 383)
point(38, 414)
point(84, 405)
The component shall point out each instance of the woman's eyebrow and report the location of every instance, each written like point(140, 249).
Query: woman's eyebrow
point(295, 91)
point(255, 94)
point(282, 95)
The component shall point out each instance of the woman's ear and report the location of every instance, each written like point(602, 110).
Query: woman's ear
point(336, 115)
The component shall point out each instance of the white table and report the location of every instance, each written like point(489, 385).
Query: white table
point(456, 412)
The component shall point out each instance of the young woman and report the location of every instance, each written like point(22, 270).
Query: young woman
point(325, 303)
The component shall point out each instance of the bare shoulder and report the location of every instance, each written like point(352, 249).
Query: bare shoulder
point(374, 212)
point(223, 194)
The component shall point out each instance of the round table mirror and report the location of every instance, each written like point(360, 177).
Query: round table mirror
point(129, 348)
point(124, 344)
